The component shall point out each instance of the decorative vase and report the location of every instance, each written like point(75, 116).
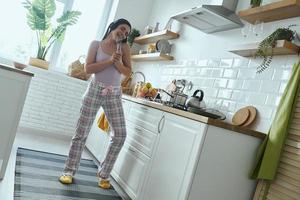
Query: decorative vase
point(39, 63)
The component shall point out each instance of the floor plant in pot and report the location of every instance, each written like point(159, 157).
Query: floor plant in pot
point(265, 47)
point(39, 17)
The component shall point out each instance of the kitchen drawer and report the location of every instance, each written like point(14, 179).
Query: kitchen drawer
point(145, 117)
point(140, 138)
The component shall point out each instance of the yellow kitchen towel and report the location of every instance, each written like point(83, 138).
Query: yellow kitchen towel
point(103, 123)
point(269, 152)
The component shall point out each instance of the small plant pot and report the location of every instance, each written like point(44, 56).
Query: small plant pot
point(39, 63)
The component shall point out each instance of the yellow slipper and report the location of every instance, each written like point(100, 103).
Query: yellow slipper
point(104, 184)
point(66, 179)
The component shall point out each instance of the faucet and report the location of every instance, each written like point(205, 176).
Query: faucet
point(141, 73)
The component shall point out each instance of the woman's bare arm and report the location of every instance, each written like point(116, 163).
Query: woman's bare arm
point(91, 66)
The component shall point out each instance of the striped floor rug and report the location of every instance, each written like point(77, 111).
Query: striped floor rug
point(36, 178)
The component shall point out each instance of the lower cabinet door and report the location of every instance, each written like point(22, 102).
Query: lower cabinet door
point(130, 170)
point(98, 140)
point(174, 161)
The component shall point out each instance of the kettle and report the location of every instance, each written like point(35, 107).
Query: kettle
point(196, 101)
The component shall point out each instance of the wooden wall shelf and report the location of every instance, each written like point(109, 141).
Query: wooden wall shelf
point(271, 12)
point(282, 47)
point(153, 37)
point(151, 57)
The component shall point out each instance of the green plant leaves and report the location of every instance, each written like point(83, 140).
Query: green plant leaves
point(133, 34)
point(39, 13)
point(39, 17)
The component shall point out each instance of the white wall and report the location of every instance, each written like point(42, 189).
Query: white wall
point(135, 11)
point(229, 81)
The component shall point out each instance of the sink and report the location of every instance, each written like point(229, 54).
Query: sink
point(207, 112)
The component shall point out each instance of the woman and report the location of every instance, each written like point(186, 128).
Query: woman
point(107, 60)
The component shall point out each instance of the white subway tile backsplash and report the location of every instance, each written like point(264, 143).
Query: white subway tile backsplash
point(240, 62)
point(238, 96)
point(280, 74)
point(220, 83)
point(226, 94)
point(273, 100)
point(256, 98)
point(208, 82)
point(217, 73)
point(265, 112)
point(213, 62)
point(210, 92)
point(251, 85)
point(226, 62)
point(270, 86)
point(230, 73)
point(235, 84)
point(206, 72)
point(246, 74)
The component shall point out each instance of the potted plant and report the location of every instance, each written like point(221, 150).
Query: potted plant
point(133, 34)
point(39, 17)
point(255, 3)
point(265, 47)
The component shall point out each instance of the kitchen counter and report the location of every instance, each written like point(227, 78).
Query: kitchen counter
point(196, 117)
point(11, 68)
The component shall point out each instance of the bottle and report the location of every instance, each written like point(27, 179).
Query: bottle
point(156, 27)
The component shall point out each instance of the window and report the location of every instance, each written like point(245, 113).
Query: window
point(18, 41)
point(79, 36)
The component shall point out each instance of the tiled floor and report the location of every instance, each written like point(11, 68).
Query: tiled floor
point(37, 142)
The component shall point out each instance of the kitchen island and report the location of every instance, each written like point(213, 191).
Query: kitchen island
point(14, 84)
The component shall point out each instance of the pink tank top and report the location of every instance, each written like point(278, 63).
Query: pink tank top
point(110, 76)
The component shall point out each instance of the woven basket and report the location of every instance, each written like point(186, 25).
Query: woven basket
point(76, 70)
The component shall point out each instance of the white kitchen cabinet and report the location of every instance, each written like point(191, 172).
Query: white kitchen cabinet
point(13, 89)
point(98, 140)
point(224, 165)
point(166, 156)
point(132, 165)
point(173, 165)
point(130, 170)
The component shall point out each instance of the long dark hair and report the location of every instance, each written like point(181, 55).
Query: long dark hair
point(112, 26)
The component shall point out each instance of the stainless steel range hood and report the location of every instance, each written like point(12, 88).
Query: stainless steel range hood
point(215, 17)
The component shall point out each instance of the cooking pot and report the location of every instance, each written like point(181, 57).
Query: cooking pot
point(196, 101)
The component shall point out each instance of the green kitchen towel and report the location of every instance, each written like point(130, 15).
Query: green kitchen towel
point(269, 152)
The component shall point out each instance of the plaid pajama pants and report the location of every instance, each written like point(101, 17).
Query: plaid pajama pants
point(109, 98)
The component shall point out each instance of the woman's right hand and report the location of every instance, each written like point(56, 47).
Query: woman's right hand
point(116, 57)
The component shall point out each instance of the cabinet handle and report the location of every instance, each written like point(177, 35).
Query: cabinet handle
point(159, 128)
point(131, 149)
point(138, 130)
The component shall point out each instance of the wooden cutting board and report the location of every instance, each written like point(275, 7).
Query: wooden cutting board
point(252, 116)
point(241, 116)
